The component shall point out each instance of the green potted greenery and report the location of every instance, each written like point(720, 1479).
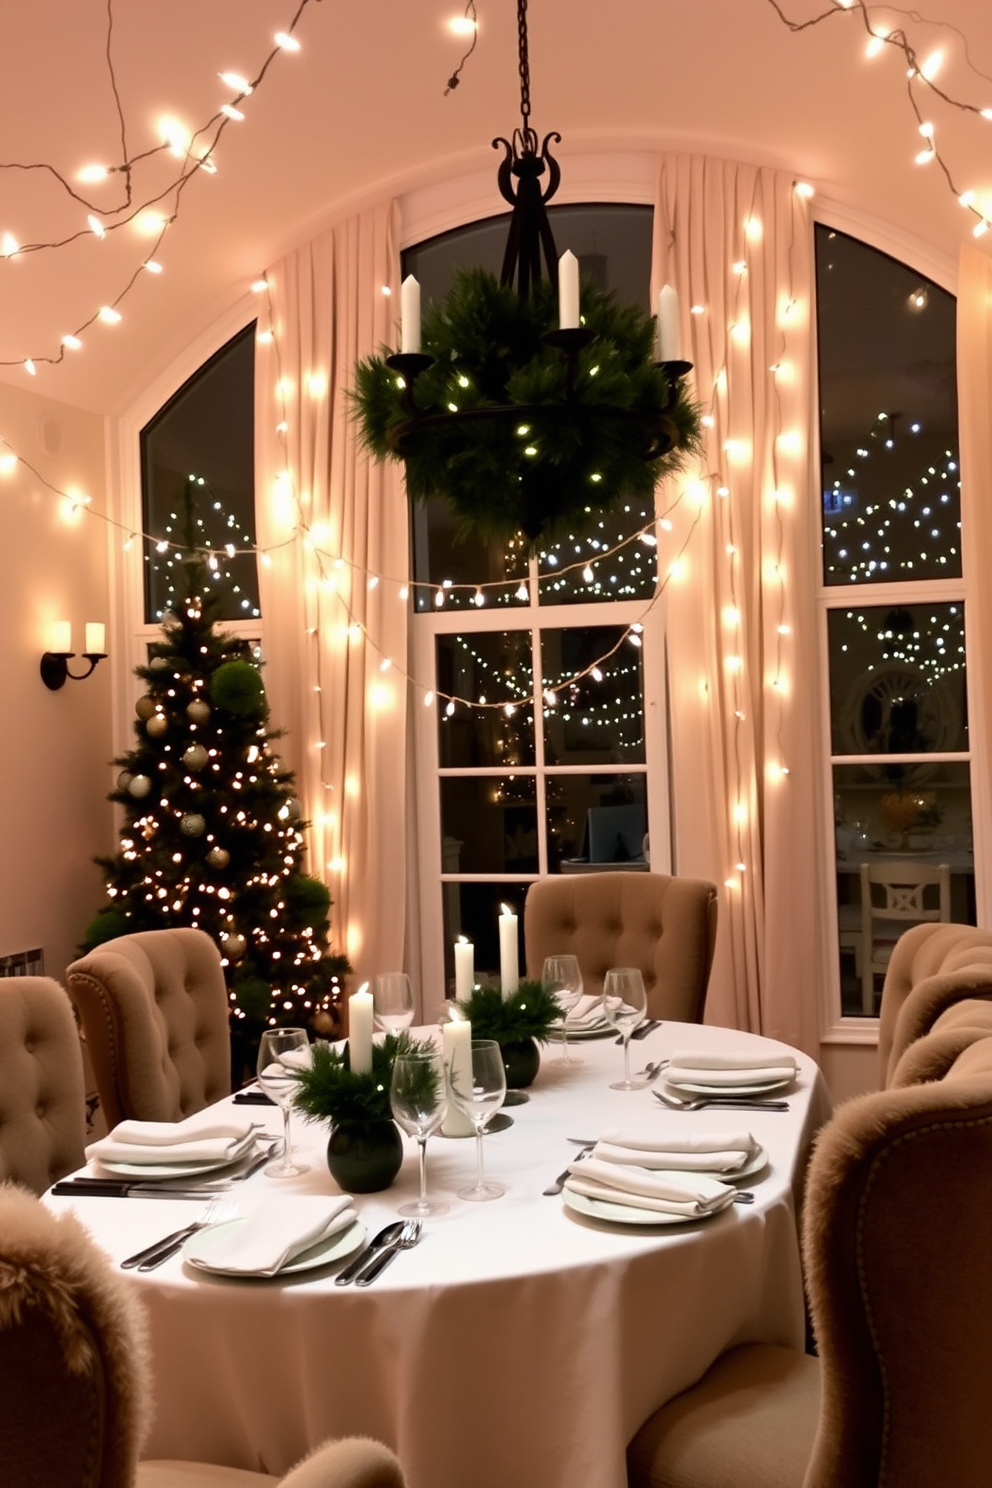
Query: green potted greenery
point(518, 1023)
point(365, 1149)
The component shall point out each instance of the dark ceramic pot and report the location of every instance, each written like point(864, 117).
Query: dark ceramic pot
point(521, 1060)
point(365, 1159)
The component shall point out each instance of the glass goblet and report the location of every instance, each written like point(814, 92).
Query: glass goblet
point(392, 1001)
point(563, 976)
point(624, 1005)
point(418, 1099)
point(479, 1101)
point(281, 1052)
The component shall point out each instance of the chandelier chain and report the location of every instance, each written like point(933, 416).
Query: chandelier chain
point(524, 71)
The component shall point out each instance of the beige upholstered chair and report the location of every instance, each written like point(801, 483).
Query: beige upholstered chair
point(932, 968)
point(74, 1377)
point(154, 1012)
point(42, 1103)
point(898, 1249)
point(665, 926)
point(894, 896)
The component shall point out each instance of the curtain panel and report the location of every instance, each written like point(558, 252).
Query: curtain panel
point(741, 622)
point(332, 526)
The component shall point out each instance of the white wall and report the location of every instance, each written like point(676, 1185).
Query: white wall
point(55, 747)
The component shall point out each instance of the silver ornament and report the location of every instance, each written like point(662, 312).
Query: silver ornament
point(158, 664)
point(124, 780)
point(198, 711)
point(157, 725)
point(195, 757)
point(218, 857)
point(138, 786)
point(145, 706)
point(193, 824)
point(233, 945)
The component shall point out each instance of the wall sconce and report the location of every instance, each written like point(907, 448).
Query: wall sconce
point(55, 663)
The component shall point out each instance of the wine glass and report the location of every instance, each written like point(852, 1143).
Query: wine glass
point(392, 1001)
point(563, 976)
point(479, 1101)
point(624, 1005)
point(418, 1099)
point(281, 1053)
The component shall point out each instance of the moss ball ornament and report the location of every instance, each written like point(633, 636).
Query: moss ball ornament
point(307, 899)
point(107, 925)
point(236, 686)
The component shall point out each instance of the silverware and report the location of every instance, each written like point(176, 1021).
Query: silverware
point(557, 1184)
point(405, 1240)
point(744, 1196)
point(643, 1029)
point(90, 1186)
point(153, 1255)
point(725, 1102)
point(391, 1232)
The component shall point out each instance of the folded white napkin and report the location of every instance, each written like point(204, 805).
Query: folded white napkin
point(587, 1010)
point(711, 1152)
point(203, 1137)
point(694, 1196)
point(280, 1229)
point(699, 1068)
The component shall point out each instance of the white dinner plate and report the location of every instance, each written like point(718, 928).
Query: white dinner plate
point(151, 1171)
point(685, 1087)
point(623, 1214)
point(587, 1031)
point(751, 1168)
point(198, 1248)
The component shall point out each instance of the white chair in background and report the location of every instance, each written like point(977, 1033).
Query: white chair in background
point(894, 896)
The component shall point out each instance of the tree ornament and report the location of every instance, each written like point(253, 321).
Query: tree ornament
point(193, 824)
point(195, 757)
point(139, 786)
point(218, 857)
point(158, 664)
point(233, 946)
point(198, 711)
point(293, 810)
point(145, 707)
point(237, 687)
point(157, 725)
point(124, 780)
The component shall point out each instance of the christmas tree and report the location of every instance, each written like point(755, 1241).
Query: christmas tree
point(212, 834)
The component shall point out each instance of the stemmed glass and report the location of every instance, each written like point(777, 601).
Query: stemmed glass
point(479, 1102)
point(281, 1053)
point(624, 1005)
point(564, 978)
point(392, 1001)
point(418, 1099)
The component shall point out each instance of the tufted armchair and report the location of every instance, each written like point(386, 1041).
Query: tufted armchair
point(42, 1104)
point(664, 926)
point(932, 968)
point(154, 1012)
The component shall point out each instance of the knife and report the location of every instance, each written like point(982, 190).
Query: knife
point(391, 1232)
point(113, 1188)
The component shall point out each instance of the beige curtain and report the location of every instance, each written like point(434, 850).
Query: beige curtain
point(333, 529)
point(736, 242)
point(974, 349)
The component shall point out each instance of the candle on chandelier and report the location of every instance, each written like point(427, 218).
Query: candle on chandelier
point(568, 291)
point(669, 333)
point(410, 315)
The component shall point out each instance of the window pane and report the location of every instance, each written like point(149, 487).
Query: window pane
point(888, 412)
point(595, 819)
point(489, 824)
point(623, 569)
point(897, 680)
point(472, 910)
point(923, 817)
point(493, 665)
point(207, 431)
point(595, 721)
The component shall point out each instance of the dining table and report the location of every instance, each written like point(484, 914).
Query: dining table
point(521, 1341)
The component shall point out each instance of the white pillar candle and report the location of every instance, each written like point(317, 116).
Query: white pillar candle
point(568, 291)
point(669, 333)
point(96, 639)
point(360, 1014)
point(509, 965)
point(60, 636)
point(464, 967)
point(456, 1052)
point(409, 314)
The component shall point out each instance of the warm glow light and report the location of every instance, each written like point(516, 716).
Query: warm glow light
point(96, 226)
point(803, 188)
point(73, 343)
point(461, 26)
point(8, 462)
point(287, 42)
point(230, 111)
point(8, 245)
point(236, 81)
point(176, 135)
point(149, 224)
point(109, 315)
point(152, 266)
point(92, 173)
point(930, 66)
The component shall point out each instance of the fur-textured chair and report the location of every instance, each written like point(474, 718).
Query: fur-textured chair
point(897, 1240)
point(42, 1103)
point(154, 1010)
point(932, 967)
point(664, 926)
point(74, 1375)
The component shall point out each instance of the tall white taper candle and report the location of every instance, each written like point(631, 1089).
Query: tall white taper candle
point(410, 314)
point(456, 1052)
point(360, 1015)
point(568, 291)
point(669, 332)
point(509, 962)
point(464, 967)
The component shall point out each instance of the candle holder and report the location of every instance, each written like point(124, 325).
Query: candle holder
point(55, 667)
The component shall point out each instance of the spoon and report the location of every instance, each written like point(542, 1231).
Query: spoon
point(385, 1237)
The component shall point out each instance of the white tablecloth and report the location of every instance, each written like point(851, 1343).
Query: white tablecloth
point(519, 1343)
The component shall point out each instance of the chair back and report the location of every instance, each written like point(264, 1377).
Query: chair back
point(895, 895)
point(664, 926)
point(898, 1252)
point(42, 1100)
point(154, 1010)
point(933, 966)
point(72, 1369)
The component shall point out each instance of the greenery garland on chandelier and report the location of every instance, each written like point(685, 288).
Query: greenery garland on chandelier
point(516, 431)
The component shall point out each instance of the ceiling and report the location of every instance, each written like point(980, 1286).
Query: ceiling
point(361, 109)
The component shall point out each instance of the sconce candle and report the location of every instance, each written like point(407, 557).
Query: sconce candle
point(96, 639)
point(55, 662)
point(61, 638)
point(509, 963)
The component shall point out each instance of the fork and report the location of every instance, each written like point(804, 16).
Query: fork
point(153, 1255)
point(406, 1240)
point(698, 1103)
point(557, 1184)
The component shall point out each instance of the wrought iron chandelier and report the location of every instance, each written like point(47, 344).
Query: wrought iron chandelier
point(529, 403)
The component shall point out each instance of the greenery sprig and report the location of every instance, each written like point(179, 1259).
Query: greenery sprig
point(329, 1090)
point(530, 1012)
point(564, 461)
